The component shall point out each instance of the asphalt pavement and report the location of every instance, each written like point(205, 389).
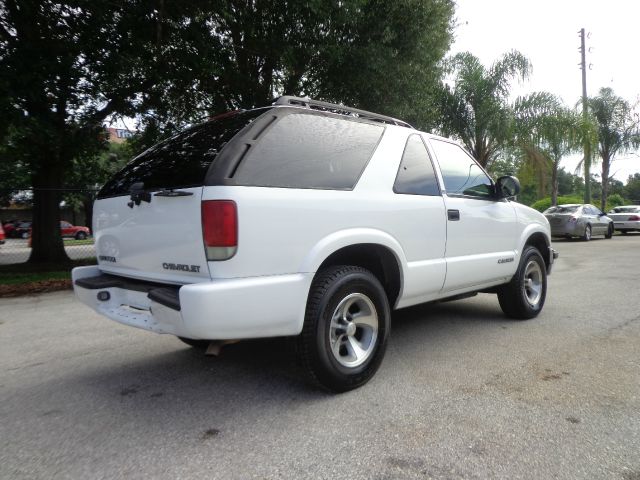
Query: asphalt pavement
point(463, 393)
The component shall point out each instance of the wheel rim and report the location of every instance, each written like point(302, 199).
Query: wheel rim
point(354, 330)
point(533, 283)
point(587, 233)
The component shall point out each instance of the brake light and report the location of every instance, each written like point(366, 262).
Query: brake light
point(634, 218)
point(573, 219)
point(220, 228)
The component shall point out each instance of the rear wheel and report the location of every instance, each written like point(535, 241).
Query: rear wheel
point(609, 233)
point(346, 327)
point(587, 233)
point(81, 236)
point(523, 297)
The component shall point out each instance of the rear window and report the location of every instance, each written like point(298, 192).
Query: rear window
point(561, 209)
point(310, 151)
point(181, 161)
point(625, 210)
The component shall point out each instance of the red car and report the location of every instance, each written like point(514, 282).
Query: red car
point(66, 230)
point(1, 235)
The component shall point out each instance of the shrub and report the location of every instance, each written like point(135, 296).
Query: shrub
point(615, 200)
point(544, 203)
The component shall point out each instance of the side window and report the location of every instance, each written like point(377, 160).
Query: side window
point(460, 172)
point(416, 175)
point(310, 151)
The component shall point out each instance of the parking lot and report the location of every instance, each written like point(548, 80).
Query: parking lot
point(462, 393)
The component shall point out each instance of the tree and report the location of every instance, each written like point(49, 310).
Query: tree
point(617, 131)
point(547, 131)
point(67, 66)
point(632, 188)
point(475, 108)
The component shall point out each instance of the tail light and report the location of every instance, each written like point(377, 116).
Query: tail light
point(220, 228)
point(634, 218)
point(573, 219)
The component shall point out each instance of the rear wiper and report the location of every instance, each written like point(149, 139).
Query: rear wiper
point(170, 192)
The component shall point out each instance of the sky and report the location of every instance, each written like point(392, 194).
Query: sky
point(547, 32)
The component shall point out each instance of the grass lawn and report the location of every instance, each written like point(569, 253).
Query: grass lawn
point(27, 273)
point(70, 241)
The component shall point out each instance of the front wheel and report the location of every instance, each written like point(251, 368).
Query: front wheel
point(81, 236)
point(609, 233)
point(587, 233)
point(523, 297)
point(346, 326)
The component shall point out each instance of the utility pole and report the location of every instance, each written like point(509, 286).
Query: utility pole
point(586, 144)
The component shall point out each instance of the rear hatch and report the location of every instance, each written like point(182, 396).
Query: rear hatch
point(147, 218)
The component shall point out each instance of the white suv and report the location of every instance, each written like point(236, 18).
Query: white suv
point(313, 220)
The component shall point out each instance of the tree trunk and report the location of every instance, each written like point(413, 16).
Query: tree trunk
point(88, 212)
point(46, 241)
point(606, 165)
point(554, 183)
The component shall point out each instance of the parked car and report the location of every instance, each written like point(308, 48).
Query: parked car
point(10, 228)
point(74, 231)
point(312, 220)
point(578, 220)
point(2, 236)
point(626, 218)
point(66, 230)
point(22, 230)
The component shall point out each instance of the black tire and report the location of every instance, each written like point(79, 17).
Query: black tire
point(624, 232)
point(24, 235)
point(199, 344)
point(81, 236)
point(587, 233)
point(339, 297)
point(517, 298)
point(609, 233)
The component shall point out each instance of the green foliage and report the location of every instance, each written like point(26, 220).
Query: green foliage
point(543, 204)
point(475, 108)
point(632, 189)
point(545, 131)
point(614, 200)
point(617, 128)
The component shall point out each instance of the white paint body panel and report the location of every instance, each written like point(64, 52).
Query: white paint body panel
point(284, 235)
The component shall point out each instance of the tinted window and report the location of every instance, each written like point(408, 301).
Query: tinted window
point(183, 160)
point(461, 174)
point(310, 151)
point(416, 175)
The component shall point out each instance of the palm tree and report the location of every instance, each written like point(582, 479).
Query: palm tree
point(546, 130)
point(475, 107)
point(617, 131)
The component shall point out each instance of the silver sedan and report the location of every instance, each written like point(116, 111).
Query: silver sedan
point(626, 218)
point(578, 220)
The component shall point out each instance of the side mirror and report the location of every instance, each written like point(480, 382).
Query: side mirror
point(507, 187)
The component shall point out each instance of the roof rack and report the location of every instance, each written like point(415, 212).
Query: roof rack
point(341, 109)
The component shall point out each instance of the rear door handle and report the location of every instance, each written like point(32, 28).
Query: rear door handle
point(453, 215)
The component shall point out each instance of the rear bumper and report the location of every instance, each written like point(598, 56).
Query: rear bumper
point(215, 310)
point(626, 226)
point(564, 229)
